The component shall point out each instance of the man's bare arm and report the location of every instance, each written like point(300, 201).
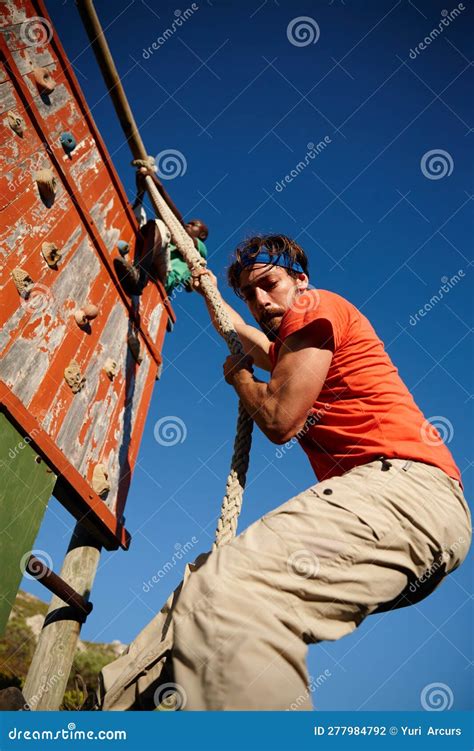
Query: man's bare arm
point(141, 187)
point(254, 341)
point(281, 406)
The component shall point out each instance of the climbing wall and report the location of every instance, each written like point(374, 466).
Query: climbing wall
point(79, 357)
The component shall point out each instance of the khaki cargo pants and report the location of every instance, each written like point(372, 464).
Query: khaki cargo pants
point(382, 535)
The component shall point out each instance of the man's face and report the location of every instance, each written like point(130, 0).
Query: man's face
point(269, 292)
point(196, 228)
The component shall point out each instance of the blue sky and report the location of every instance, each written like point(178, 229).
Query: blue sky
point(241, 102)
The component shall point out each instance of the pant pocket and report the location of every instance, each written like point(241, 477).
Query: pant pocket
point(456, 549)
point(359, 497)
point(453, 517)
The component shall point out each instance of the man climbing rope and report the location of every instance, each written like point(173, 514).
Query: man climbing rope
point(386, 522)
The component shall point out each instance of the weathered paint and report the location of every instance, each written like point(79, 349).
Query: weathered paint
point(102, 423)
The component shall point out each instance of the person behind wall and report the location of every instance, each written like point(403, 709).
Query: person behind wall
point(159, 258)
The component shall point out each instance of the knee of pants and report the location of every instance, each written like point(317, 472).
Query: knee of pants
point(225, 621)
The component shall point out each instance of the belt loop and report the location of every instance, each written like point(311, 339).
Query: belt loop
point(407, 465)
point(385, 463)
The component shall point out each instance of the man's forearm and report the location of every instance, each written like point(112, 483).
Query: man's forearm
point(260, 404)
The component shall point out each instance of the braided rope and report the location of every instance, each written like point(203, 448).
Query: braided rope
point(232, 501)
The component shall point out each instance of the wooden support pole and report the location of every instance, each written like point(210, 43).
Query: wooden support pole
point(111, 77)
point(52, 661)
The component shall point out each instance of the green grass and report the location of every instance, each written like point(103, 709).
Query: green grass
point(18, 644)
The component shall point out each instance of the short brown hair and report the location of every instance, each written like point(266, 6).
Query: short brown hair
point(275, 245)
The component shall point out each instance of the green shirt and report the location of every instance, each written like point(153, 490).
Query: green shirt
point(179, 273)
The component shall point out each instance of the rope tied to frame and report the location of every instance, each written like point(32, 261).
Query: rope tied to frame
point(233, 498)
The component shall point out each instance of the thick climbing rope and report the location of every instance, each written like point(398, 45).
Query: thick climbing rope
point(232, 501)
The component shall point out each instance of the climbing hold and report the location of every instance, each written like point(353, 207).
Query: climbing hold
point(73, 377)
point(111, 368)
point(80, 317)
point(47, 185)
point(16, 123)
point(44, 80)
point(100, 480)
point(134, 346)
point(85, 314)
point(90, 311)
point(51, 254)
point(23, 282)
point(123, 247)
point(68, 142)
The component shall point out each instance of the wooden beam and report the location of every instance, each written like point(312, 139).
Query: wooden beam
point(111, 77)
point(52, 661)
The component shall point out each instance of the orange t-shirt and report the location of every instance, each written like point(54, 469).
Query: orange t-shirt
point(364, 409)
